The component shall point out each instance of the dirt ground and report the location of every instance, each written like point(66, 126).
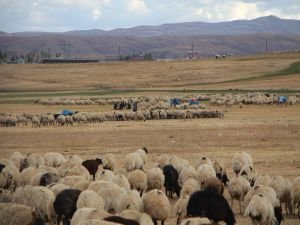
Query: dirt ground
point(270, 134)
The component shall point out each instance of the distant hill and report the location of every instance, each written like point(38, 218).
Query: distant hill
point(165, 41)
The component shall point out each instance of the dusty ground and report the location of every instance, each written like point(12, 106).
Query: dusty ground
point(270, 134)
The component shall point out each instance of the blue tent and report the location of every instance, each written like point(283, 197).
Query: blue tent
point(67, 112)
point(193, 101)
point(282, 99)
point(175, 101)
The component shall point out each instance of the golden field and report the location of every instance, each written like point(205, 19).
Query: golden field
point(269, 133)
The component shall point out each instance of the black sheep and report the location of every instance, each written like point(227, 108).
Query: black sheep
point(48, 178)
point(171, 181)
point(121, 220)
point(65, 205)
point(92, 165)
point(207, 203)
point(2, 166)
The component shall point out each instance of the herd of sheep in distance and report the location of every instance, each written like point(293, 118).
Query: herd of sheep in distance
point(53, 188)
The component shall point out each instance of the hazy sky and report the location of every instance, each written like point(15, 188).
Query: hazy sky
point(64, 15)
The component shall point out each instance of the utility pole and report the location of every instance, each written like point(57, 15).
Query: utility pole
point(266, 45)
point(192, 50)
point(119, 52)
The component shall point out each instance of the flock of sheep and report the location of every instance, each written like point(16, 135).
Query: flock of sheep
point(36, 189)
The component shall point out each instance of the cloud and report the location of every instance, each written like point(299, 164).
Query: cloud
point(138, 6)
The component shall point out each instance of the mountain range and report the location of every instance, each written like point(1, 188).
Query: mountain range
point(167, 41)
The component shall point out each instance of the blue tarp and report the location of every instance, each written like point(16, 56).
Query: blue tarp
point(282, 99)
point(175, 101)
point(193, 101)
point(67, 112)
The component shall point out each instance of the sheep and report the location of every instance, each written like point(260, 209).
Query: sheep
point(17, 214)
point(65, 205)
point(32, 159)
point(178, 163)
point(260, 210)
point(90, 199)
point(156, 205)
point(295, 193)
point(204, 160)
point(5, 196)
point(171, 181)
point(57, 187)
point(40, 198)
point(107, 175)
point(141, 218)
point(249, 173)
point(27, 174)
point(130, 200)
point(3, 181)
point(143, 153)
point(238, 187)
point(205, 171)
point(84, 214)
point(74, 158)
point(187, 173)
point(48, 178)
point(163, 160)
point(76, 182)
point(121, 181)
point(214, 184)
point(54, 159)
point(155, 179)
point(241, 159)
point(108, 161)
point(2, 166)
point(263, 180)
point(282, 188)
point(138, 181)
point(196, 221)
point(189, 187)
point(121, 220)
point(17, 158)
point(92, 166)
point(180, 208)
point(11, 176)
point(98, 185)
point(212, 205)
point(70, 168)
point(221, 172)
point(133, 161)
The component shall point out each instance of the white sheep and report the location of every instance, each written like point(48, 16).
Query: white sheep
point(121, 181)
point(249, 173)
point(156, 205)
point(17, 214)
point(178, 163)
point(143, 153)
point(260, 210)
point(241, 159)
point(90, 199)
point(103, 174)
point(33, 160)
point(98, 185)
point(130, 200)
point(71, 168)
point(138, 181)
point(141, 218)
point(133, 161)
point(220, 171)
point(84, 214)
point(74, 158)
point(180, 208)
point(263, 180)
point(189, 187)
point(163, 160)
point(108, 161)
point(76, 182)
point(17, 158)
point(40, 198)
point(155, 179)
point(295, 192)
point(111, 196)
point(54, 159)
point(196, 221)
point(6, 196)
point(27, 174)
point(282, 188)
point(12, 176)
point(57, 187)
point(204, 160)
point(238, 187)
point(205, 171)
point(187, 173)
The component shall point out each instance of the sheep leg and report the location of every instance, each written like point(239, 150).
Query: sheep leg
point(154, 221)
point(162, 222)
point(240, 205)
point(58, 219)
point(66, 221)
point(231, 204)
point(178, 220)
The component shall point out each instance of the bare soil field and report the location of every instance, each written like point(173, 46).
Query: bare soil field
point(270, 134)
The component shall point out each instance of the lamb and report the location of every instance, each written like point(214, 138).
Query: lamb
point(196, 221)
point(54, 159)
point(109, 161)
point(205, 171)
point(84, 214)
point(282, 188)
point(143, 153)
point(189, 187)
point(90, 199)
point(180, 208)
point(212, 205)
point(130, 200)
point(221, 172)
point(40, 198)
point(171, 181)
point(241, 159)
point(155, 179)
point(260, 210)
point(92, 165)
point(65, 205)
point(17, 214)
point(141, 218)
point(214, 184)
point(133, 161)
point(156, 205)
point(187, 173)
point(138, 180)
point(238, 187)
